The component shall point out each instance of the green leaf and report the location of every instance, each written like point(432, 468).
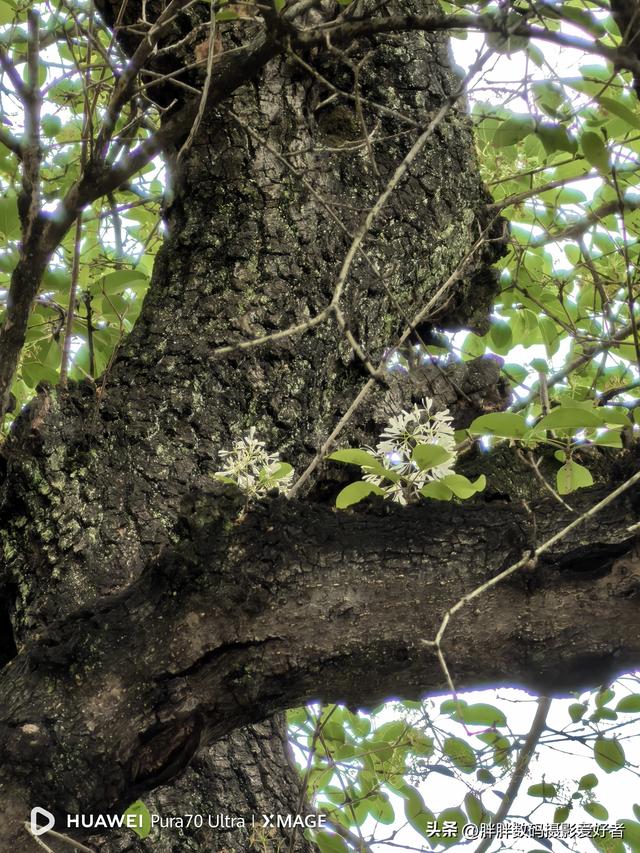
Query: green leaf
point(330, 843)
point(629, 704)
point(508, 44)
point(618, 109)
point(392, 732)
point(356, 492)
point(540, 365)
point(548, 95)
point(631, 833)
point(437, 490)
point(542, 789)
point(513, 130)
point(367, 461)
point(608, 753)
point(51, 125)
point(550, 335)
point(595, 150)
point(474, 808)
point(583, 19)
point(333, 731)
point(416, 812)
point(460, 753)
point(34, 372)
point(573, 476)
point(515, 373)
point(577, 711)
point(500, 336)
point(227, 480)
point(420, 744)
point(587, 782)
point(427, 456)
point(603, 697)
point(535, 54)
point(609, 438)
point(614, 415)
point(7, 12)
point(138, 819)
point(462, 487)
point(9, 219)
point(568, 417)
point(473, 346)
point(555, 137)
point(569, 195)
point(281, 471)
point(355, 457)
point(502, 424)
point(231, 15)
point(603, 714)
point(596, 810)
point(381, 809)
point(481, 714)
point(485, 776)
point(297, 716)
point(121, 280)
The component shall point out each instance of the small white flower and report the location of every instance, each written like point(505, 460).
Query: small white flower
point(252, 468)
point(403, 433)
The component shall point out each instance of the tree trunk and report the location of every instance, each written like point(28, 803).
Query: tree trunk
point(150, 616)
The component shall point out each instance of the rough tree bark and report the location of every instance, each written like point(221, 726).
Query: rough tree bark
point(151, 619)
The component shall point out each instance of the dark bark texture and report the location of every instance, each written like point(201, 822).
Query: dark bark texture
point(153, 621)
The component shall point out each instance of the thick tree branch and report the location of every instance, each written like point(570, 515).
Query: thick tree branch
point(342, 32)
point(252, 613)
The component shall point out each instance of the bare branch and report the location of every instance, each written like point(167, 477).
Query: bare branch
point(522, 763)
point(124, 88)
point(589, 352)
point(577, 229)
point(29, 200)
point(346, 31)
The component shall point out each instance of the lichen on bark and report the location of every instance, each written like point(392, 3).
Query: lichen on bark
point(92, 488)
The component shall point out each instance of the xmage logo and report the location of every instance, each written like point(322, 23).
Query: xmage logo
point(39, 829)
point(287, 821)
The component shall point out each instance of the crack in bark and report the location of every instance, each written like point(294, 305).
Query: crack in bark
point(214, 655)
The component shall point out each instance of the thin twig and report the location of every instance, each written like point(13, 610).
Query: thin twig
point(522, 763)
point(589, 352)
point(529, 461)
point(211, 58)
point(528, 560)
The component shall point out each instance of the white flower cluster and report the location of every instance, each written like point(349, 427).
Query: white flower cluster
point(253, 469)
point(404, 432)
